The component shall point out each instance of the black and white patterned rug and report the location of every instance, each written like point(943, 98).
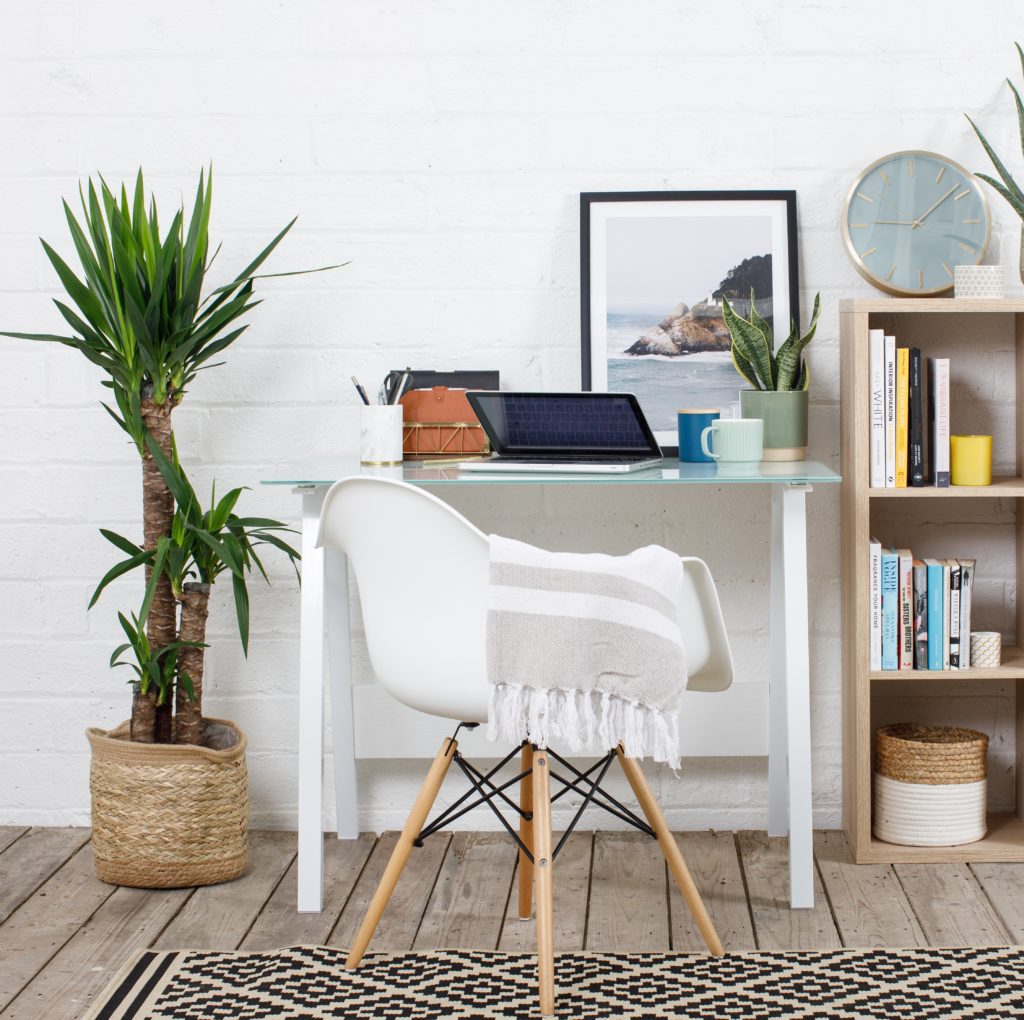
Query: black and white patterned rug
point(311, 982)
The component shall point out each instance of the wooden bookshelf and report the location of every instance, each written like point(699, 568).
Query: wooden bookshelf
point(1005, 839)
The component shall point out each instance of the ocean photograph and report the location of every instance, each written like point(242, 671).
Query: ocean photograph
point(664, 335)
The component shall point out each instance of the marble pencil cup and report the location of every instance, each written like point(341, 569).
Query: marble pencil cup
point(380, 435)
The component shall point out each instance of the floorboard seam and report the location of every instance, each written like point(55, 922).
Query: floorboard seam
point(590, 886)
point(985, 897)
point(352, 890)
point(746, 889)
point(263, 905)
point(828, 900)
point(433, 886)
point(508, 900)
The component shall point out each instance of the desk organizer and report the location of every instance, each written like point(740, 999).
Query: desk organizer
point(930, 785)
point(440, 420)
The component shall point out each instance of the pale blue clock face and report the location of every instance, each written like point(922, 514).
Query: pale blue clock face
point(911, 219)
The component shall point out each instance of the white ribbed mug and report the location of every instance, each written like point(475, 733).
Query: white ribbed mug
point(734, 440)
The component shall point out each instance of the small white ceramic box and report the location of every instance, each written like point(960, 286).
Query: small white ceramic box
point(978, 282)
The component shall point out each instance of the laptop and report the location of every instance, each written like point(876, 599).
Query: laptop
point(563, 432)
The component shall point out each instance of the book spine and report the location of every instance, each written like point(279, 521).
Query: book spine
point(934, 615)
point(938, 417)
point(902, 414)
point(906, 583)
point(890, 610)
point(966, 588)
point(877, 352)
point(945, 615)
point(920, 577)
point(875, 606)
point(890, 412)
point(915, 455)
point(954, 615)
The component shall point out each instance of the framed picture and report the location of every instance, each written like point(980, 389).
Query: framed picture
point(655, 267)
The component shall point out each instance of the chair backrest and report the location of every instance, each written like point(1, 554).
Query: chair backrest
point(422, 572)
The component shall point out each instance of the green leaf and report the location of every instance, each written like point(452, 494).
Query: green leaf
point(744, 367)
point(116, 571)
point(241, 610)
point(1016, 201)
point(751, 344)
point(788, 357)
point(126, 545)
point(1007, 178)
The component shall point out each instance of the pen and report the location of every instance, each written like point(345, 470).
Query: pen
point(400, 388)
point(359, 389)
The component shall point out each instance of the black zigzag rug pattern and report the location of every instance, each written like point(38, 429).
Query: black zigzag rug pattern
point(311, 982)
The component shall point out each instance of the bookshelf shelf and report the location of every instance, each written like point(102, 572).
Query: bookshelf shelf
point(921, 320)
point(1012, 668)
point(1001, 488)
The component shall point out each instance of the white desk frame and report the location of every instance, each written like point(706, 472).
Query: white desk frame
point(325, 613)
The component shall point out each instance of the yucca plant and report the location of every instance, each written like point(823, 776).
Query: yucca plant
point(201, 546)
point(140, 315)
point(753, 349)
point(156, 670)
point(1006, 186)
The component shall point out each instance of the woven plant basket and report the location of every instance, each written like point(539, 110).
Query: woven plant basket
point(168, 815)
point(930, 785)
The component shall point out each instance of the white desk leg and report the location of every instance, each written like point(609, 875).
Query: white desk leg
point(311, 710)
point(339, 659)
point(798, 695)
point(778, 794)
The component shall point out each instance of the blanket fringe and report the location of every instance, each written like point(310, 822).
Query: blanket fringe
point(578, 719)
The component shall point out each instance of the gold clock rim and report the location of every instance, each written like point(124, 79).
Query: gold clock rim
point(855, 258)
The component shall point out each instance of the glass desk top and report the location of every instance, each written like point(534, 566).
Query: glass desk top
point(671, 470)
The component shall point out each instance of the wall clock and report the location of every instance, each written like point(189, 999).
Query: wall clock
point(910, 218)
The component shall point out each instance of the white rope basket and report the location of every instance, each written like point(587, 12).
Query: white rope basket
point(920, 814)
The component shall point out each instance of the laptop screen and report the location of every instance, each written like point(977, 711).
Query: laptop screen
point(600, 423)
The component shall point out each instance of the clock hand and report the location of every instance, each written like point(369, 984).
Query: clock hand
point(934, 206)
point(898, 223)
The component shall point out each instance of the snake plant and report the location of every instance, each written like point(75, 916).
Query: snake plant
point(753, 349)
point(1007, 187)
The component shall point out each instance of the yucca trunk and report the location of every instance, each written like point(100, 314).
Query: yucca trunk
point(152, 723)
point(188, 715)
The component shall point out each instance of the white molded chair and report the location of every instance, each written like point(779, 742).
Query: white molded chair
point(422, 571)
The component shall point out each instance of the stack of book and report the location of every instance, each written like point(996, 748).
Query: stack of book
point(909, 420)
point(920, 611)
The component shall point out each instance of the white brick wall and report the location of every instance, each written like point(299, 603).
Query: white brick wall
point(440, 147)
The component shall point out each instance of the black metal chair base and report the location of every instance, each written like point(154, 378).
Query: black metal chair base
point(488, 792)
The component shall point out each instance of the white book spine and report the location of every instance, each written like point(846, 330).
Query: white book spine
point(945, 613)
point(954, 615)
point(890, 412)
point(966, 587)
point(906, 622)
point(940, 438)
point(875, 607)
point(877, 351)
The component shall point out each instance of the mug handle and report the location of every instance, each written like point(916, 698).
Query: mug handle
point(704, 442)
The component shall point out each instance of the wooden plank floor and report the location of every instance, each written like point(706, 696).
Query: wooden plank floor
point(63, 933)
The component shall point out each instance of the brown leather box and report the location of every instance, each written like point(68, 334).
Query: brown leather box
point(440, 421)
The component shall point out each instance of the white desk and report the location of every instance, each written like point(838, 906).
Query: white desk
point(325, 612)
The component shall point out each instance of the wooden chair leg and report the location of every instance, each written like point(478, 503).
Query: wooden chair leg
point(542, 870)
point(670, 850)
point(526, 835)
point(413, 826)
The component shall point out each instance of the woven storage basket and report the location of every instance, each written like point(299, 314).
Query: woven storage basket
point(930, 785)
point(167, 815)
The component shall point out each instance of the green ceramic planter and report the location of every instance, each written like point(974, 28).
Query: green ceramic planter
point(785, 421)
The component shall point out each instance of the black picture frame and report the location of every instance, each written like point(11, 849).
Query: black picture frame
point(755, 212)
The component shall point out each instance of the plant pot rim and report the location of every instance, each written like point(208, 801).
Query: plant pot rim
point(115, 743)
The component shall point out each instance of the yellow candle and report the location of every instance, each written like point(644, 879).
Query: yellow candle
point(970, 460)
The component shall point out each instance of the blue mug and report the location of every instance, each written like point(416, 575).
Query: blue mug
point(691, 425)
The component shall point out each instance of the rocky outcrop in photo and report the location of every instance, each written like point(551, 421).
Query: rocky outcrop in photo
point(699, 329)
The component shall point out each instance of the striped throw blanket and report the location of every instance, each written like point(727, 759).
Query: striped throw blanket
point(585, 649)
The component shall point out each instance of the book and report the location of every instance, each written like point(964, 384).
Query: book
point(902, 414)
point(890, 412)
point(906, 621)
point(954, 614)
point(915, 452)
point(934, 568)
point(877, 364)
point(938, 421)
point(945, 613)
point(920, 578)
point(890, 610)
point(875, 605)
point(966, 588)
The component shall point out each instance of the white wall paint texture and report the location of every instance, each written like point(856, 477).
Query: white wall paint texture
point(440, 147)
